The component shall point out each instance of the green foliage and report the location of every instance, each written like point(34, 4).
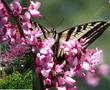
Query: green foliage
point(17, 81)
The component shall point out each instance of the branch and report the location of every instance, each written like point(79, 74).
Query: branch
point(37, 77)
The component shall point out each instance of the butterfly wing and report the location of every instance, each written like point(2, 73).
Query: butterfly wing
point(91, 31)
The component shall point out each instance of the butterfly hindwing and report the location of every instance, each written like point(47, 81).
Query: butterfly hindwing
point(87, 30)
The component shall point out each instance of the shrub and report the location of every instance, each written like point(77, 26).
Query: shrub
point(17, 81)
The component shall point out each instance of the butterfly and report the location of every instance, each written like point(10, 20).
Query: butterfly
point(91, 31)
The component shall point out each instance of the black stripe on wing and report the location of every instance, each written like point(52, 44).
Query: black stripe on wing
point(78, 31)
point(40, 27)
point(94, 33)
point(82, 31)
point(44, 30)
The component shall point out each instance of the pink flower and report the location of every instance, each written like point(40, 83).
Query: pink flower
point(61, 81)
point(96, 58)
point(27, 17)
point(71, 46)
point(4, 20)
point(33, 9)
point(45, 72)
point(58, 69)
point(73, 88)
point(44, 59)
point(86, 66)
point(10, 31)
point(72, 49)
point(92, 59)
point(103, 69)
point(48, 43)
point(16, 8)
point(69, 80)
point(47, 81)
point(26, 28)
point(61, 88)
point(15, 52)
point(2, 10)
point(92, 79)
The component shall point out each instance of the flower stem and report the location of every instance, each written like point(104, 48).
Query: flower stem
point(37, 78)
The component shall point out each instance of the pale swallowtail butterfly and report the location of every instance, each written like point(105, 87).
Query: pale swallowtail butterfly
point(91, 31)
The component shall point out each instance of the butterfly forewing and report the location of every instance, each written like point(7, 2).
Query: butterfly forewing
point(93, 34)
point(91, 31)
point(78, 31)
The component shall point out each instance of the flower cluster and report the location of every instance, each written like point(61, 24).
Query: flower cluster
point(93, 79)
point(15, 51)
point(77, 61)
point(44, 59)
point(20, 34)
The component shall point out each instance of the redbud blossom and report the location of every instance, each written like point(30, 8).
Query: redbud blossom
point(69, 80)
point(27, 17)
point(103, 70)
point(33, 9)
point(2, 10)
point(44, 59)
point(92, 79)
point(80, 59)
point(61, 88)
point(15, 52)
point(92, 59)
point(4, 20)
point(16, 8)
